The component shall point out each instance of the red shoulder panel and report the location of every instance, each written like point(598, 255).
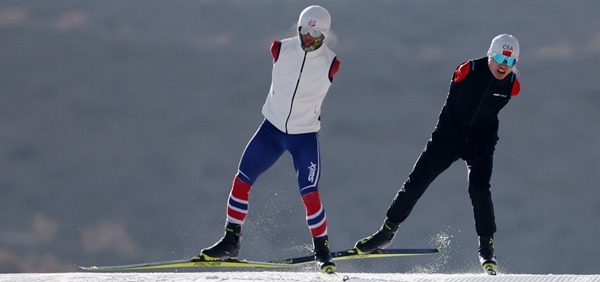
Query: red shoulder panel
point(275, 48)
point(516, 88)
point(462, 71)
point(335, 66)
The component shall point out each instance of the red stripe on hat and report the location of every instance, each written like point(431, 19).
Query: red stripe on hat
point(506, 53)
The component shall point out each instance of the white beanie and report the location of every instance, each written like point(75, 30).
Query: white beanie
point(505, 44)
point(315, 17)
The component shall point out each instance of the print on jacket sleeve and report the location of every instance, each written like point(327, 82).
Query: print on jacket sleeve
point(335, 66)
point(516, 87)
point(462, 71)
point(275, 48)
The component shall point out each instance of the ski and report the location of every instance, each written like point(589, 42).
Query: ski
point(284, 263)
point(353, 254)
point(194, 262)
point(332, 275)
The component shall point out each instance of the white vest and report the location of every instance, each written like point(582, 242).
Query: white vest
point(300, 81)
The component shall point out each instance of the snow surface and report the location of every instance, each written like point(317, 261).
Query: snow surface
point(287, 276)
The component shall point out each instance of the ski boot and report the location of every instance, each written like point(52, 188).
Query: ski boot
point(380, 240)
point(323, 259)
point(486, 255)
point(228, 246)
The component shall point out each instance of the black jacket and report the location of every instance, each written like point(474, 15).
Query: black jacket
point(474, 100)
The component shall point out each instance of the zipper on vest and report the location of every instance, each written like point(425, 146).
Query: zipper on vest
point(294, 95)
point(477, 111)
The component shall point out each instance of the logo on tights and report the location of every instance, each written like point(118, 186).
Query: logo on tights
point(312, 169)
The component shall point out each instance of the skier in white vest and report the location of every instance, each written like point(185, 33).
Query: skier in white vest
point(303, 70)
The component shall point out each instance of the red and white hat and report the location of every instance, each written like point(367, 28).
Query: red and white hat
point(316, 18)
point(505, 44)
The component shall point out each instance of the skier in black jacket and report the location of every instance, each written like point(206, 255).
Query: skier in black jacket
point(467, 129)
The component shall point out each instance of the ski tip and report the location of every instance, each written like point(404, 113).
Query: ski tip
point(491, 272)
point(332, 275)
point(490, 268)
point(87, 268)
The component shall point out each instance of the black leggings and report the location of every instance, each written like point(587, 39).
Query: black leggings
point(441, 151)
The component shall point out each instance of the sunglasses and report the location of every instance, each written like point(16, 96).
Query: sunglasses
point(308, 30)
point(501, 58)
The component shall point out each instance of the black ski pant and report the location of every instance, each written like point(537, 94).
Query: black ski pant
point(440, 152)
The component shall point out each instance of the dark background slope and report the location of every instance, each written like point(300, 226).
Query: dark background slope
point(122, 125)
